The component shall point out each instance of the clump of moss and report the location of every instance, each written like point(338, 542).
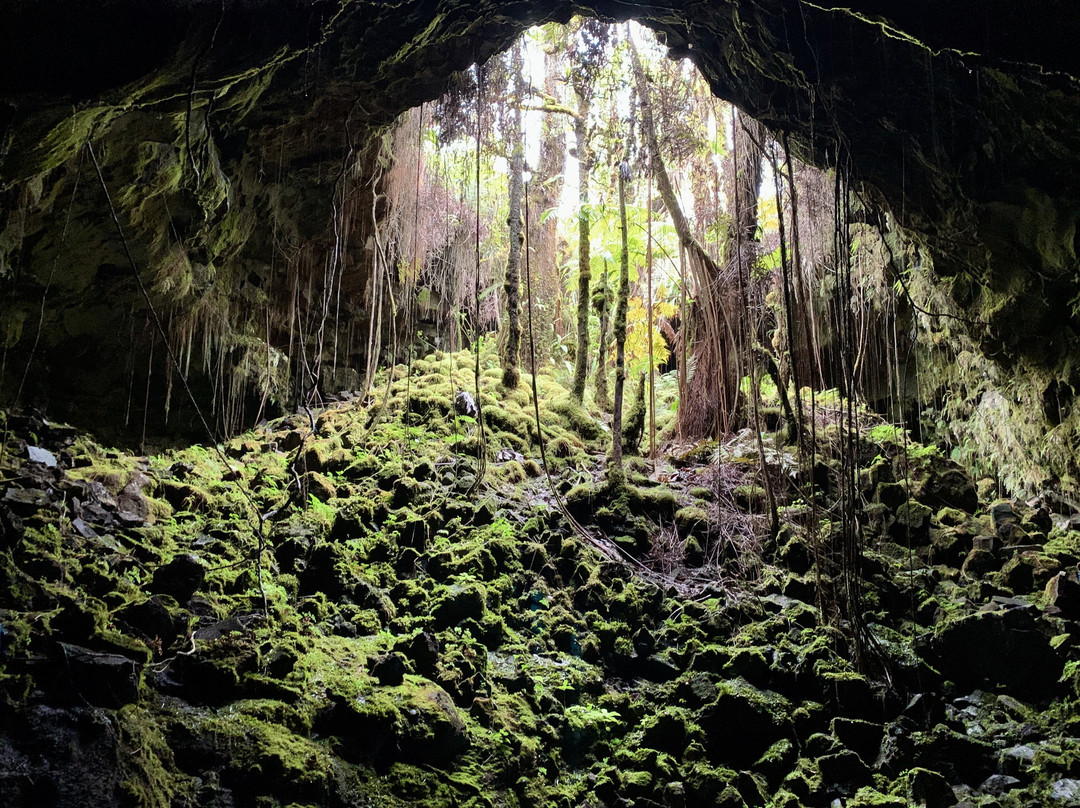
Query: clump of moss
point(691, 519)
point(150, 775)
point(576, 416)
point(656, 501)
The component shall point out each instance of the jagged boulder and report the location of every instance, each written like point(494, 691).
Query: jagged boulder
point(1007, 650)
point(1062, 595)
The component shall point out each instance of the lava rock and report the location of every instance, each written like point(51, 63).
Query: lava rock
point(843, 767)
point(891, 495)
point(83, 529)
point(670, 731)
point(182, 496)
point(153, 619)
point(180, 578)
point(644, 642)
point(693, 552)
point(459, 602)
point(1003, 514)
point(959, 756)
point(315, 459)
point(929, 788)
point(368, 596)
point(797, 556)
point(60, 756)
point(319, 486)
point(1063, 596)
point(861, 737)
point(640, 666)
point(423, 650)
point(420, 725)
point(42, 456)
point(323, 570)
point(1018, 573)
point(912, 520)
point(484, 512)
point(951, 488)
point(104, 680)
point(292, 440)
point(389, 669)
point(997, 784)
point(131, 505)
point(757, 728)
point(405, 491)
point(978, 563)
point(1007, 649)
point(948, 545)
point(11, 527)
point(26, 501)
point(1017, 759)
point(1066, 791)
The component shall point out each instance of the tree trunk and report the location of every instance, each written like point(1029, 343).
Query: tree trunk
point(602, 299)
point(615, 469)
point(544, 192)
point(581, 132)
point(649, 321)
point(512, 285)
point(712, 391)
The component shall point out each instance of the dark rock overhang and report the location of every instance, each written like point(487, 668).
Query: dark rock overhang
point(961, 116)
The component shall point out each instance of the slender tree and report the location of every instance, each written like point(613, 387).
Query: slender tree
point(615, 467)
point(544, 192)
point(584, 161)
point(601, 302)
point(649, 320)
point(588, 59)
point(512, 286)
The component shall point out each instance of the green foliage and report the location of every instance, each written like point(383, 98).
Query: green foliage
point(592, 717)
point(321, 511)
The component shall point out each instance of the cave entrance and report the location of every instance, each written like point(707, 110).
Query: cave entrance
point(738, 266)
point(589, 204)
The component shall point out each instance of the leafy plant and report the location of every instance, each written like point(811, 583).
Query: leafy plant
point(580, 716)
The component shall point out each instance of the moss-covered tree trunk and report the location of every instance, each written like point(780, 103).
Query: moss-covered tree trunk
point(615, 469)
point(581, 133)
point(512, 284)
point(602, 304)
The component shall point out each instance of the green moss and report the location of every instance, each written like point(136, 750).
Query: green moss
point(659, 501)
point(576, 416)
point(691, 519)
point(277, 755)
point(512, 472)
point(866, 797)
point(913, 514)
point(150, 775)
point(749, 496)
point(634, 421)
point(804, 780)
point(784, 799)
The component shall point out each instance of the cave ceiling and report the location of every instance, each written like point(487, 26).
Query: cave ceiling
point(962, 116)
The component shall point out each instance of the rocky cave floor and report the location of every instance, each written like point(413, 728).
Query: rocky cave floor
point(330, 611)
